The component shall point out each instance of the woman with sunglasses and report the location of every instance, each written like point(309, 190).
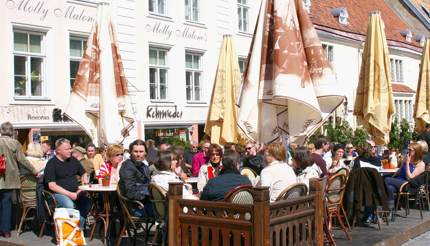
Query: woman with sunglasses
point(212, 168)
point(110, 168)
point(411, 168)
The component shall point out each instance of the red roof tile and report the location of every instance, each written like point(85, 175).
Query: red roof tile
point(358, 19)
point(402, 88)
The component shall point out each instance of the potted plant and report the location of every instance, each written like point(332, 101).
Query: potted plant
point(106, 179)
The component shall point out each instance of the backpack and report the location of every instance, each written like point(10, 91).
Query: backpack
point(2, 164)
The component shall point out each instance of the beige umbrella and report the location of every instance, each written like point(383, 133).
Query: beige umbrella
point(374, 105)
point(99, 100)
point(289, 87)
point(422, 99)
point(221, 123)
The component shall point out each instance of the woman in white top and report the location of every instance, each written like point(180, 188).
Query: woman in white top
point(304, 165)
point(277, 174)
point(212, 168)
point(166, 165)
point(338, 161)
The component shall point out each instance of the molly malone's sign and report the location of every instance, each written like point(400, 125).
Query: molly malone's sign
point(163, 112)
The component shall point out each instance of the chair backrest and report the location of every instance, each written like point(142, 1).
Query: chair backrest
point(335, 188)
point(249, 173)
point(242, 194)
point(27, 193)
point(126, 207)
point(49, 203)
point(159, 200)
point(293, 191)
point(343, 171)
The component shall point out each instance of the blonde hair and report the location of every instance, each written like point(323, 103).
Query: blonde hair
point(113, 150)
point(424, 146)
point(34, 150)
point(277, 150)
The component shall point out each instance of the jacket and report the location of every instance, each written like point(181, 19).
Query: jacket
point(218, 187)
point(134, 179)
point(12, 151)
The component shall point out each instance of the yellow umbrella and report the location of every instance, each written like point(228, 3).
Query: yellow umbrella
point(221, 123)
point(422, 99)
point(99, 101)
point(374, 105)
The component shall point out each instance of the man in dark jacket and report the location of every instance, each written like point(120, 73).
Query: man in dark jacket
point(253, 159)
point(134, 176)
point(228, 179)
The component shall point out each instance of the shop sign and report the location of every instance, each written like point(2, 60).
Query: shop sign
point(168, 31)
point(163, 112)
point(42, 10)
point(26, 113)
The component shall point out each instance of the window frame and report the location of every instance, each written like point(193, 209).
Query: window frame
point(75, 58)
point(189, 9)
point(158, 68)
point(28, 55)
point(194, 71)
point(396, 70)
point(156, 11)
point(243, 23)
point(329, 52)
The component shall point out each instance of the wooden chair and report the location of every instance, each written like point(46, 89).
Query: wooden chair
point(27, 196)
point(335, 189)
point(132, 222)
point(49, 205)
point(293, 191)
point(159, 200)
point(242, 194)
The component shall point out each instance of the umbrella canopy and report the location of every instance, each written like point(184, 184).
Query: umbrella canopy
point(221, 123)
point(99, 100)
point(422, 99)
point(289, 87)
point(374, 105)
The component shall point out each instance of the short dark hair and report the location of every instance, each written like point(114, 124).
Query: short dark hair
point(230, 160)
point(164, 160)
point(303, 157)
point(90, 145)
point(229, 146)
point(6, 129)
point(136, 143)
point(320, 142)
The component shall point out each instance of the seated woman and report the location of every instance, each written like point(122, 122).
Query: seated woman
point(277, 175)
point(111, 167)
point(304, 165)
point(411, 168)
point(228, 179)
point(35, 156)
point(337, 159)
point(181, 168)
point(166, 165)
point(212, 168)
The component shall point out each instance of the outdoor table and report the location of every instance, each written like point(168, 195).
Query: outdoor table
point(105, 214)
point(387, 172)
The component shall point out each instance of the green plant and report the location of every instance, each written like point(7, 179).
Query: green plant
point(341, 132)
point(177, 142)
point(400, 134)
point(106, 176)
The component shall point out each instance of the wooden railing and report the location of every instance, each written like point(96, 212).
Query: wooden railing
point(293, 222)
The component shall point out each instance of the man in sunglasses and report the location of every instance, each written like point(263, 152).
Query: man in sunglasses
point(253, 159)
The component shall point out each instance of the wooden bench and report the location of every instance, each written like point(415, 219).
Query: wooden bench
point(297, 221)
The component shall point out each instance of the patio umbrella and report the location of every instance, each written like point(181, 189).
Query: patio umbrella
point(99, 101)
point(422, 99)
point(221, 123)
point(289, 88)
point(374, 106)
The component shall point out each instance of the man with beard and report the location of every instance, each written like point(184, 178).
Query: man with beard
point(134, 178)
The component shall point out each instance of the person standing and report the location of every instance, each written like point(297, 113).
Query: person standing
point(200, 159)
point(11, 155)
point(321, 147)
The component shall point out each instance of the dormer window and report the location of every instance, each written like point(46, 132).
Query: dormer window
point(420, 39)
point(307, 5)
point(407, 34)
point(342, 14)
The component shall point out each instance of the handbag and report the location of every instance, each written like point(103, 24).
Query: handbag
point(2, 164)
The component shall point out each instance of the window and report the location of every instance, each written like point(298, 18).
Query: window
point(193, 76)
point(29, 60)
point(157, 74)
point(77, 48)
point(242, 65)
point(404, 109)
point(192, 10)
point(243, 15)
point(157, 6)
point(328, 49)
point(396, 70)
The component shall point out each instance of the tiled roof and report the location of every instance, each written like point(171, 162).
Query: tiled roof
point(358, 12)
point(419, 3)
point(402, 88)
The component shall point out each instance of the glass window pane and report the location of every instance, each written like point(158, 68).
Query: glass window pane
point(20, 41)
point(196, 79)
point(36, 67)
point(20, 85)
point(161, 7)
point(75, 48)
point(163, 84)
point(74, 65)
point(163, 91)
point(196, 62)
point(152, 75)
point(153, 56)
point(245, 19)
point(195, 10)
point(19, 65)
point(188, 61)
point(197, 86)
point(161, 57)
point(187, 10)
point(163, 76)
point(151, 5)
point(35, 43)
point(36, 86)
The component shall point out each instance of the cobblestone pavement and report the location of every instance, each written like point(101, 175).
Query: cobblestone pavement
point(421, 240)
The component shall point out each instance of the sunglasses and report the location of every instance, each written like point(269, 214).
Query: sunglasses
point(216, 154)
point(248, 148)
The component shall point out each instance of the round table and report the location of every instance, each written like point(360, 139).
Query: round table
point(102, 215)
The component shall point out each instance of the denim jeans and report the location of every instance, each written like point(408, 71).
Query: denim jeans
point(5, 210)
point(83, 204)
point(393, 186)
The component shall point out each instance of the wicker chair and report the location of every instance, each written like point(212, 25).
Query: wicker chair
point(159, 200)
point(335, 189)
point(293, 191)
point(242, 194)
point(49, 205)
point(132, 222)
point(249, 173)
point(27, 196)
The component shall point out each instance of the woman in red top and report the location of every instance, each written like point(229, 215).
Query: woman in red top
point(114, 154)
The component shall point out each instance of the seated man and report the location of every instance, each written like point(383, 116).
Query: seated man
point(60, 178)
point(134, 178)
point(228, 179)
